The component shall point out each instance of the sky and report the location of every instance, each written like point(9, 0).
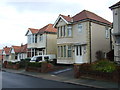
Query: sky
point(16, 16)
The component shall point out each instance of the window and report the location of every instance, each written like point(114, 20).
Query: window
point(61, 31)
point(29, 38)
point(118, 39)
point(69, 31)
point(64, 50)
point(41, 37)
point(69, 51)
point(35, 38)
point(58, 33)
point(80, 50)
point(58, 51)
point(64, 31)
point(80, 27)
point(77, 50)
point(107, 32)
point(61, 51)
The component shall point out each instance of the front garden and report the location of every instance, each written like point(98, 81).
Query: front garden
point(102, 69)
point(43, 67)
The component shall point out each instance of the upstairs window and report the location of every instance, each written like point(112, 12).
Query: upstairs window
point(29, 38)
point(35, 38)
point(41, 37)
point(69, 31)
point(118, 39)
point(106, 32)
point(80, 27)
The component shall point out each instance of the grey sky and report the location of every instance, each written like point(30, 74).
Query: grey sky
point(18, 15)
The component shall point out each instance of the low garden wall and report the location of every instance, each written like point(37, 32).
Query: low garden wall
point(12, 66)
point(103, 70)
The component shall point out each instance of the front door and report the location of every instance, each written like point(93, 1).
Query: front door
point(78, 54)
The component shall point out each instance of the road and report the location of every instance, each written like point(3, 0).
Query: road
point(12, 80)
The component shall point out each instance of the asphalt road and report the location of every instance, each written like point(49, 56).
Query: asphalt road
point(12, 80)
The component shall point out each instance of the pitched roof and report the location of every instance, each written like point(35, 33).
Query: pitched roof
point(33, 30)
point(23, 48)
point(67, 18)
point(89, 15)
point(86, 15)
point(7, 50)
point(48, 28)
point(16, 49)
point(115, 5)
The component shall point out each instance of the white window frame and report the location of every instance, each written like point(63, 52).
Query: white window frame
point(80, 27)
point(41, 38)
point(69, 30)
point(107, 33)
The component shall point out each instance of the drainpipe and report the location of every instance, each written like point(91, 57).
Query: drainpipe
point(111, 38)
point(90, 40)
point(46, 44)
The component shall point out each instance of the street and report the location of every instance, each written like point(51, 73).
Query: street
point(12, 80)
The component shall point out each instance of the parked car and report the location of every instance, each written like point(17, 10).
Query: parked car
point(42, 58)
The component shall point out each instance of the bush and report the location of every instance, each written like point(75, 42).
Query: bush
point(13, 63)
point(99, 55)
point(85, 66)
point(23, 63)
point(104, 66)
point(34, 64)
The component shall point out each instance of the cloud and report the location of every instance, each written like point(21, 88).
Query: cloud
point(19, 15)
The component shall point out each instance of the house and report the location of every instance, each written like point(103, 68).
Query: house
point(1, 54)
point(14, 52)
point(116, 30)
point(41, 41)
point(18, 52)
point(23, 52)
point(81, 36)
point(6, 53)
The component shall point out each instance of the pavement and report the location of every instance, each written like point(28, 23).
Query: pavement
point(67, 76)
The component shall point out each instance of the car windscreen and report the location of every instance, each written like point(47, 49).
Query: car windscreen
point(33, 58)
point(46, 58)
point(39, 58)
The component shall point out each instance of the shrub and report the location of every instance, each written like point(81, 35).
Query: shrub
point(104, 66)
point(13, 63)
point(99, 55)
point(23, 63)
point(85, 66)
point(34, 64)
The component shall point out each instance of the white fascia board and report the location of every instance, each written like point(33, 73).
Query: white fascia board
point(58, 20)
point(28, 32)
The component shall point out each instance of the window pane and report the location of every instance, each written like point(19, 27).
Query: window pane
point(61, 31)
point(80, 50)
point(64, 51)
point(58, 32)
point(79, 27)
point(58, 51)
point(77, 50)
point(69, 31)
point(35, 38)
point(69, 51)
point(107, 32)
point(118, 39)
point(61, 51)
